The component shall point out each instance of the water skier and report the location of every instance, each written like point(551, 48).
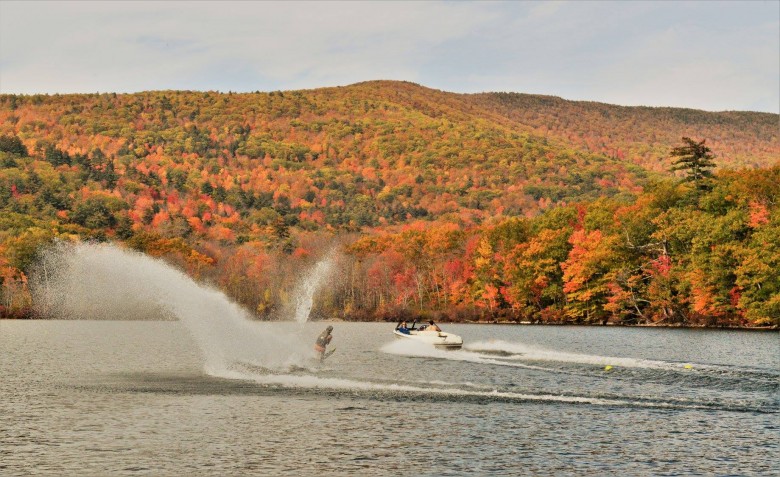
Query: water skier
point(322, 342)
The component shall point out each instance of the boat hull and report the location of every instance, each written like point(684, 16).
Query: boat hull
point(439, 339)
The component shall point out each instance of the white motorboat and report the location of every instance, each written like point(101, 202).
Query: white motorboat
point(439, 339)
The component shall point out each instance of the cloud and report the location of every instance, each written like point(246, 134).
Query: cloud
point(134, 46)
point(643, 54)
point(697, 66)
point(632, 53)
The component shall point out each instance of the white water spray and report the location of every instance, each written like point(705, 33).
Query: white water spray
point(99, 281)
point(312, 282)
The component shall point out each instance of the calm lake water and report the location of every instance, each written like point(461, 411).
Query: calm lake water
point(146, 398)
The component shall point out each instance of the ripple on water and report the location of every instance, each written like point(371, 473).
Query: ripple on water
point(79, 406)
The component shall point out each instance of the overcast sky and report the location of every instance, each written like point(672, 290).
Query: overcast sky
point(706, 55)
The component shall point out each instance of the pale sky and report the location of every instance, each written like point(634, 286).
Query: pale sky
point(711, 55)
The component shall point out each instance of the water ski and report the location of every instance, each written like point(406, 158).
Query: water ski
point(327, 354)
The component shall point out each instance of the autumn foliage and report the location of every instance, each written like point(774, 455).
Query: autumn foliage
point(494, 206)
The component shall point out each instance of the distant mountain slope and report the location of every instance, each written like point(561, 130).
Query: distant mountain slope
point(640, 134)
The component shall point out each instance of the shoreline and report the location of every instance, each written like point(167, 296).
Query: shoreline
point(617, 325)
point(644, 325)
point(511, 323)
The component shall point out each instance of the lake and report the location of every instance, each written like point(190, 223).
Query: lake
point(160, 398)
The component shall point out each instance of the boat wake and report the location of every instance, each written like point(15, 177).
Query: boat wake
point(304, 381)
point(423, 350)
point(639, 372)
point(703, 373)
point(524, 352)
point(503, 353)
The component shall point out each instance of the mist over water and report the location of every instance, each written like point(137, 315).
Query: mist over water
point(106, 282)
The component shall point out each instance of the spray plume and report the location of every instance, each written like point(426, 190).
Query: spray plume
point(103, 281)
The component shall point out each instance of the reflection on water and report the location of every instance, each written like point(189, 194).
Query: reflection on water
point(135, 398)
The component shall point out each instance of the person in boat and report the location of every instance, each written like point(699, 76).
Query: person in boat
point(322, 341)
point(402, 328)
point(432, 326)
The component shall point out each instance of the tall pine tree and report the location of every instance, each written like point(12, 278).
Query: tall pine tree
point(696, 160)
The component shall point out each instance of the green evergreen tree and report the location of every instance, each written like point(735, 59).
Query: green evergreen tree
point(696, 160)
point(13, 145)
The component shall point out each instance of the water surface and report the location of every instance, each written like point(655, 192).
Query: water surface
point(138, 398)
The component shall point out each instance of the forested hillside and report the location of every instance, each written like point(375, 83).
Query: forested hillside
point(475, 206)
point(643, 135)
